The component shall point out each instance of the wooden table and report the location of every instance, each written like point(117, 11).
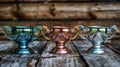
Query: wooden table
point(114, 45)
point(108, 59)
point(14, 60)
point(68, 60)
point(79, 56)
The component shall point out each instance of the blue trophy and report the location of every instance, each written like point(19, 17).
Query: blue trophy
point(21, 35)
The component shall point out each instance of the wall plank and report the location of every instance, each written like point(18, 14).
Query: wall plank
point(61, 11)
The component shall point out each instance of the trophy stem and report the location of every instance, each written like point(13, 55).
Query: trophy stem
point(96, 49)
point(23, 48)
point(60, 48)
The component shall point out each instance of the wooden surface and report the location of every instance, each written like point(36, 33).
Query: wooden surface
point(44, 60)
point(59, 13)
point(78, 10)
point(9, 46)
point(114, 45)
point(79, 57)
point(68, 60)
point(55, 0)
point(108, 59)
point(14, 60)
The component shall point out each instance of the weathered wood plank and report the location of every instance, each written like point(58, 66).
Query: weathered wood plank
point(61, 11)
point(64, 23)
point(108, 59)
point(7, 0)
point(87, 6)
point(9, 46)
point(60, 0)
point(19, 61)
point(68, 60)
point(14, 60)
point(7, 11)
point(114, 45)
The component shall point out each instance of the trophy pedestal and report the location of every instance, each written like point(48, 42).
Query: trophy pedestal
point(57, 50)
point(96, 50)
point(60, 48)
point(23, 51)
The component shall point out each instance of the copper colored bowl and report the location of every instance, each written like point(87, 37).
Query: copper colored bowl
point(60, 35)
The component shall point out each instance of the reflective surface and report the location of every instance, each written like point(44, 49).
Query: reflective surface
point(97, 35)
point(60, 35)
point(22, 35)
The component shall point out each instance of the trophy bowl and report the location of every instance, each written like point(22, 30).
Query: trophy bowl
point(21, 35)
point(60, 35)
point(96, 35)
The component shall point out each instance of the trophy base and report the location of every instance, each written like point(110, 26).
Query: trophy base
point(24, 51)
point(96, 51)
point(60, 51)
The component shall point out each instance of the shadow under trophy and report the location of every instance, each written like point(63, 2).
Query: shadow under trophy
point(21, 35)
point(60, 35)
point(96, 35)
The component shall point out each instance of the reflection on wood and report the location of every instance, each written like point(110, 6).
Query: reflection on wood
point(114, 45)
point(14, 60)
point(108, 59)
point(68, 60)
point(77, 58)
point(10, 46)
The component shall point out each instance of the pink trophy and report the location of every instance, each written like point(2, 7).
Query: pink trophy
point(60, 35)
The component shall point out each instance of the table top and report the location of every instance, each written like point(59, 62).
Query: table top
point(79, 56)
point(108, 59)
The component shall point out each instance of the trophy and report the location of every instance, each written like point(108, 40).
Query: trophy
point(96, 35)
point(21, 35)
point(60, 35)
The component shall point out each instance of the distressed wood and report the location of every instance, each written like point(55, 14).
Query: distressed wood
point(7, 11)
point(108, 59)
point(10, 46)
point(70, 23)
point(60, 11)
point(35, 60)
point(7, 0)
point(60, 0)
point(114, 45)
point(54, 13)
point(14, 60)
point(7, 47)
point(79, 57)
point(68, 60)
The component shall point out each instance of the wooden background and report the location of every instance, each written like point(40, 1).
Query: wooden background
point(63, 12)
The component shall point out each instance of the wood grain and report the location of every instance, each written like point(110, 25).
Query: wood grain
point(15, 60)
point(60, 11)
point(68, 60)
point(108, 59)
point(114, 45)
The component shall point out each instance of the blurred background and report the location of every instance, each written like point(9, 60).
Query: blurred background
point(59, 12)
